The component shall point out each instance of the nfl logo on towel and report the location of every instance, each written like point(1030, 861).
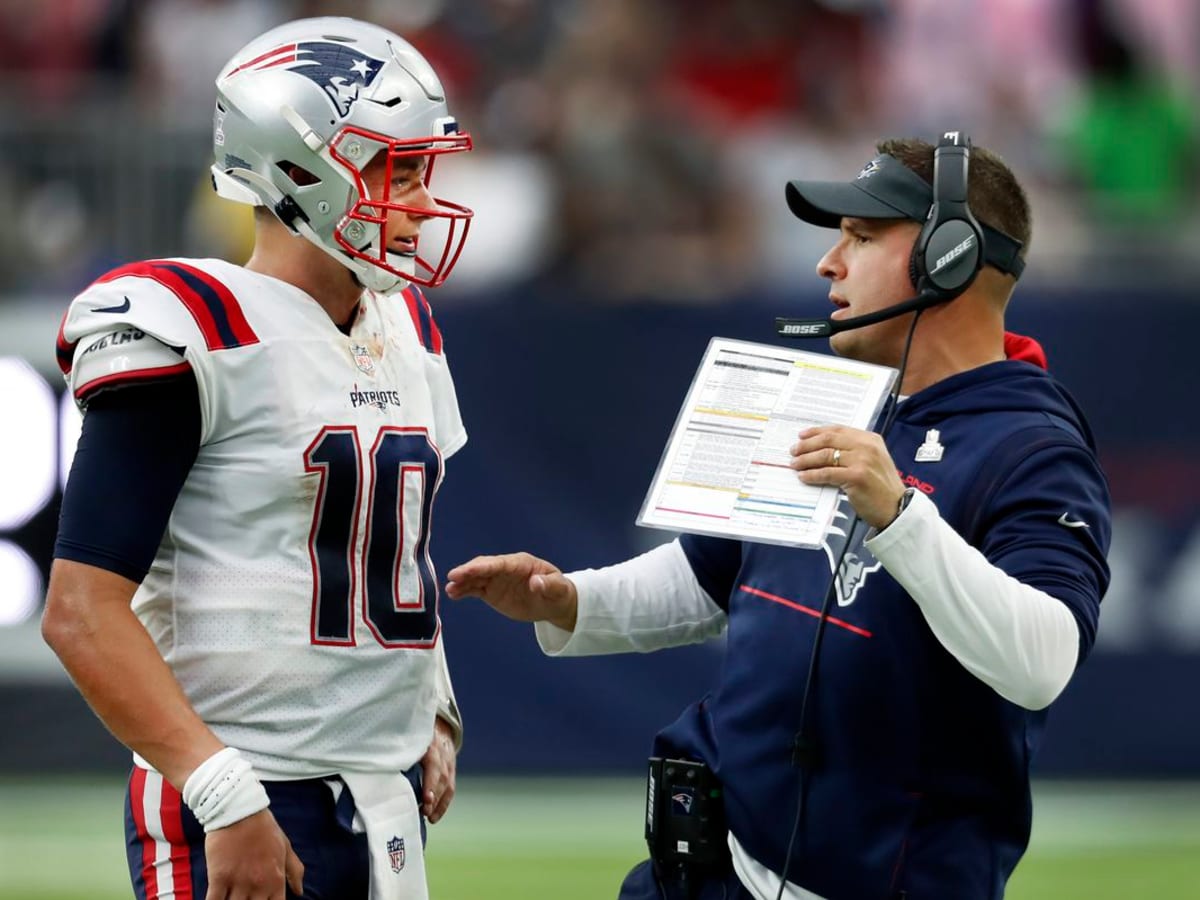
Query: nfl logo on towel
point(395, 849)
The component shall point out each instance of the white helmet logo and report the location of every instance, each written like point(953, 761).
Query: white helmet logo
point(339, 71)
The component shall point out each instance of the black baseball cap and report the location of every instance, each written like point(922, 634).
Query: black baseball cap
point(888, 189)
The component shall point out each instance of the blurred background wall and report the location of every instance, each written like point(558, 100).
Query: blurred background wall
point(628, 187)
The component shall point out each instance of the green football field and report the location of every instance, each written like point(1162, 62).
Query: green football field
point(506, 839)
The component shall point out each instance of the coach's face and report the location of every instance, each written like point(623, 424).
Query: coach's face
point(868, 271)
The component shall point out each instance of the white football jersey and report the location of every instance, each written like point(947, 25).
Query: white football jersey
point(293, 594)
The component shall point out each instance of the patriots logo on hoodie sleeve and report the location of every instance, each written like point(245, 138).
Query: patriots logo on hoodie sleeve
point(340, 71)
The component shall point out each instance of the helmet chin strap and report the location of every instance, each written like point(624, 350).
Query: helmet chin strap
point(378, 280)
point(365, 274)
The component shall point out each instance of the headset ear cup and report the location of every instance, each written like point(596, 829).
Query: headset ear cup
point(914, 270)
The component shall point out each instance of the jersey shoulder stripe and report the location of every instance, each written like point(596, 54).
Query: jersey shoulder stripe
point(64, 350)
point(124, 356)
point(87, 391)
point(216, 311)
point(422, 319)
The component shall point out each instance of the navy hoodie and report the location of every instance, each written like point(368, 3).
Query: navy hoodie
point(920, 787)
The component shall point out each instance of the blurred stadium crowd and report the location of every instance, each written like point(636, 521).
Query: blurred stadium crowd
point(635, 150)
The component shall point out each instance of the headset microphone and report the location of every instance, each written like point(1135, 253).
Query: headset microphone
point(817, 328)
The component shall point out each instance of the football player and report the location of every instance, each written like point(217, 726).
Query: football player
point(871, 733)
point(242, 587)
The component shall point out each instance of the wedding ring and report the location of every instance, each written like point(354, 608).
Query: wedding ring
point(837, 457)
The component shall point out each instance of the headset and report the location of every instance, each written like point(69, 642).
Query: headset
point(947, 255)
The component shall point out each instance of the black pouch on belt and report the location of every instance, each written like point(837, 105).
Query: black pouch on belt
point(685, 815)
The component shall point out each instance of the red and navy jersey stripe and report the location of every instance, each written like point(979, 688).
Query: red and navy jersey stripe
point(163, 841)
point(158, 373)
point(216, 311)
point(212, 305)
point(422, 319)
point(165, 844)
point(64, 350)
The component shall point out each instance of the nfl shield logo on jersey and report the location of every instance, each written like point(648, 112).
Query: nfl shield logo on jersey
point(395, 849)
point(362, 359)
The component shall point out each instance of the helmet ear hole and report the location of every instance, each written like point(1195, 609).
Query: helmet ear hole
point(297, 175)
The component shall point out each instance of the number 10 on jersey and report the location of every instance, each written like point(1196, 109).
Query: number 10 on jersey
point(388, 566)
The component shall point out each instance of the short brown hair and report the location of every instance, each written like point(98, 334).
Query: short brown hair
point(995, 196)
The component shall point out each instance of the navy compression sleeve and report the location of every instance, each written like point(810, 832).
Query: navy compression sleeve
point(136, 449)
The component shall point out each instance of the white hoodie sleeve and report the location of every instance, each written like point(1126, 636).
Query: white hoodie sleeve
point(1019, 640)
point(646, 603)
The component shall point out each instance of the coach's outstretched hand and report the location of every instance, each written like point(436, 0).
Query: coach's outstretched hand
point(517, 585)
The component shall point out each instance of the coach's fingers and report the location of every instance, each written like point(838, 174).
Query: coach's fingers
point(476, 576)
point(473, 575)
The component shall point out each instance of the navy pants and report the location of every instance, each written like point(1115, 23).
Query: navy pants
point(165, 843)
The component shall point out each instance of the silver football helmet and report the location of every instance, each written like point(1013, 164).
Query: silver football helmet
point(327, 95)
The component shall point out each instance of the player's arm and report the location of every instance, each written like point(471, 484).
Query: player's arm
point(118, 670)
point(138, 442)
point(440, 762)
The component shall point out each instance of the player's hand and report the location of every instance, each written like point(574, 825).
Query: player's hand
point(252, 860)
point(864, 469)
point(519, 586)
point(439, 765)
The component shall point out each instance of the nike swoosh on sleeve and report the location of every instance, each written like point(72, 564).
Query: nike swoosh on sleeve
point(1066, 520)
point(121, 308)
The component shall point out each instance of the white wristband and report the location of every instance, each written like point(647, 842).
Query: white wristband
point(224, 790)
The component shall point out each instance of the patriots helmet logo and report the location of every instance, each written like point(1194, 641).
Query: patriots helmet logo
point(340, 71)
point(681, 799)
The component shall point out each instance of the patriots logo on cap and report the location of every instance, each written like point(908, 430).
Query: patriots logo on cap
point(340, 71)
point(870, 168)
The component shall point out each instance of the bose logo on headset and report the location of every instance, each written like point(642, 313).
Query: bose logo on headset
point(803, 328)
point(954, 253)
point(948, 252)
